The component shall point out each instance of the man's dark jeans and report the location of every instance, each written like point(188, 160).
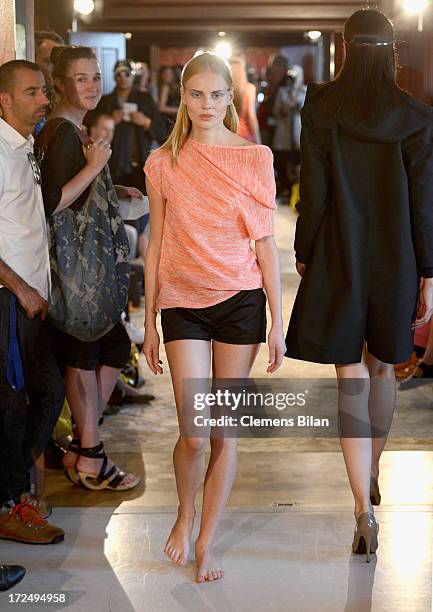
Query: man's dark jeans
point(27, 417)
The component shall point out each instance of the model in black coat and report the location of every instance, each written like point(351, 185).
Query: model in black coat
point(365, 231)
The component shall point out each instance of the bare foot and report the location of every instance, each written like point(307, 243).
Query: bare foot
point(179, 540)
point(208, 569)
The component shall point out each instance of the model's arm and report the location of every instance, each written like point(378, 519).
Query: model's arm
point(153, 255)
point(28, 297)
point(252, 115)
point(267, 256)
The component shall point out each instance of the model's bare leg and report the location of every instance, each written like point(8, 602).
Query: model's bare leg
point(187, 359)
point(382, 403)
point(354, 388)
point(229, 361)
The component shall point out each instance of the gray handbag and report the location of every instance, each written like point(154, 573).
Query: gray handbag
point(89, 257)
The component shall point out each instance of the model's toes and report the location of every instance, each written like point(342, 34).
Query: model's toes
point(168, 551)
point(207, 568)
point(178, 543)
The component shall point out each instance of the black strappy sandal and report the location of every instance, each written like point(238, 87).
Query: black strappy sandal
point(106, 479)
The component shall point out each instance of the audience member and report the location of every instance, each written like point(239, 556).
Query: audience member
point(79, 199)
point(146, 82)
point(28, 371)
point(44, 44)
point(289, 99)
point(245, 99)
point(138, 124)
point(275, 75)
point(102, 128)
point(169, 95)
point(421, 372)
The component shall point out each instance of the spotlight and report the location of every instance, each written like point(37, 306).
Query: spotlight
point(84, 7)
point(128, 35)
point(414, 7)
point(223, 49)
point(221, 34)
point(314, 34)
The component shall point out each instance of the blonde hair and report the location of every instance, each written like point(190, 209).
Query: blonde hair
point(205, 62)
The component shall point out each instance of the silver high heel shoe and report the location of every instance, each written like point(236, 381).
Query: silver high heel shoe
point(365, 538)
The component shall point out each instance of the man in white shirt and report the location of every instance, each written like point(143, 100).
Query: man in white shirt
point(31, 387)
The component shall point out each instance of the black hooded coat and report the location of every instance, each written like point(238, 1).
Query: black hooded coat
point(365, 231)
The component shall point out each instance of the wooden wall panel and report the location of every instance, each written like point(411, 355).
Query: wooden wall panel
point(54, 15)
point(416, 64)
point(7, 38)
point(242, 15)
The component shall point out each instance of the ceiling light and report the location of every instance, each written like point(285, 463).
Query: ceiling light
point(223, 49)
point(414, 7)
point(84, 7)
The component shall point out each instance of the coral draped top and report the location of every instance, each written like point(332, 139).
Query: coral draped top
point(218, 199)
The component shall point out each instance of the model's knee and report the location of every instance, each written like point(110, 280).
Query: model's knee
point(193, 446)
point(353, 386)
point(222, 444)
point(383, 370)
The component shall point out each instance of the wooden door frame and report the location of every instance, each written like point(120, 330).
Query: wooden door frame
point(7, 40)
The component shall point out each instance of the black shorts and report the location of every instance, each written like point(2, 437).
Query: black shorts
point(239, 320)
point(112, 350)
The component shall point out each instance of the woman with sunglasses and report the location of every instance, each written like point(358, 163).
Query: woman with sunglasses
point(69, 171)
point(364, 239)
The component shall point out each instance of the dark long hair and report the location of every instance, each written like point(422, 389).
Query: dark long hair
point(367, 79)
